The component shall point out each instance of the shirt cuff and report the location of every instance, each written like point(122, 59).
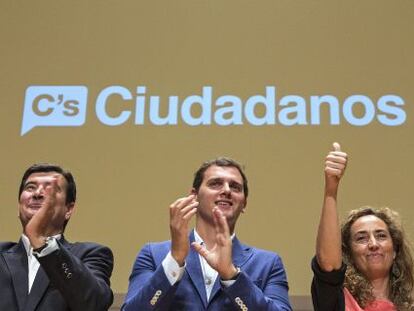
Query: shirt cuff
point(227, 283)
point(52, 246)
point(172, 270)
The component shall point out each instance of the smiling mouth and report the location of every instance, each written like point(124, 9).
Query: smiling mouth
point(375, 256)
point(35, 206)
point(224, 204)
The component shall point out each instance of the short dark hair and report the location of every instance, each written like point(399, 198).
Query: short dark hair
point(45, 168)
point(221, 161)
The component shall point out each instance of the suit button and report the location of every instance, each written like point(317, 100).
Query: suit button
point(64, 265)
point(69, 275)
point(154, 299)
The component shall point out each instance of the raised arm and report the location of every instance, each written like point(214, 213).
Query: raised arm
point(152, 285)
point(80, 272)
point(328, 242)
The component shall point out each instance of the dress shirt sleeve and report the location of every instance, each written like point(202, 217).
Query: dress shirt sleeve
point(52, 246)
point(227, 283)
point(149, 286)
point(172, 270)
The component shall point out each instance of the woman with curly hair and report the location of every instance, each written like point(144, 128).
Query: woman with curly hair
point(366, 264)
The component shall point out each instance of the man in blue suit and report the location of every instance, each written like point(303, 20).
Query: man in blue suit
point(208, 268)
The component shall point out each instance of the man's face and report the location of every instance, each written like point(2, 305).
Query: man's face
point(222, 187)
point(35, 192)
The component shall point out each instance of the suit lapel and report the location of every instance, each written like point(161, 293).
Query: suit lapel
point(38, 290)
point(216, 288)
point(240, 254)
point(193, 269)
point(40, 284)
point(16, 259)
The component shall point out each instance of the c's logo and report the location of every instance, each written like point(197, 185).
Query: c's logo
point(70, 107)
point(54, 106)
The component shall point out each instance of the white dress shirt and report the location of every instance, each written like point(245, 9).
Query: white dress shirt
point(32, 262)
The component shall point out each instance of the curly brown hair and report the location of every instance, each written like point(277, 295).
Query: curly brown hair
point(401, 282)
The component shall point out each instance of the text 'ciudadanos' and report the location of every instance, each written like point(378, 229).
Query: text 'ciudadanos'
point(66, 106)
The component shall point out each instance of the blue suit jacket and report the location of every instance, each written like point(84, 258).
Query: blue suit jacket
point(261, 285)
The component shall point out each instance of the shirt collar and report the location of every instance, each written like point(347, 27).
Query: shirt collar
point(26, 243)
point(199, 240)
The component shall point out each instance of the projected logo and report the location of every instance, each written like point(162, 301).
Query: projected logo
point(54, 106)
point(66, 106)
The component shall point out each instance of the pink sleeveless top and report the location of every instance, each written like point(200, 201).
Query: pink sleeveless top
point(377, 305)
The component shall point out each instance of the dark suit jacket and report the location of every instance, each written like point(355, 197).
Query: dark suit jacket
point(75, 277)
point(261, 285)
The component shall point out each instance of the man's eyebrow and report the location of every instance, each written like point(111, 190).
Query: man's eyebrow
point(236, 182)
point(215, 179)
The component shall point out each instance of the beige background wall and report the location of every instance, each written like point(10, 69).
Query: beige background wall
point(127, 175)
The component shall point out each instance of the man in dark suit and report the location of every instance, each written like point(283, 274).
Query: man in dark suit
point(218, 272)
point(43, 271)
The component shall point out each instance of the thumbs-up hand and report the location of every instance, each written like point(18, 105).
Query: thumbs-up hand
point(335, 165)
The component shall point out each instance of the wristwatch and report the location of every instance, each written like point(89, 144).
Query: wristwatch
point(236, 275)
point(37, 251)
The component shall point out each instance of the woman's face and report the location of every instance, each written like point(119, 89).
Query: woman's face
point(372, 247)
